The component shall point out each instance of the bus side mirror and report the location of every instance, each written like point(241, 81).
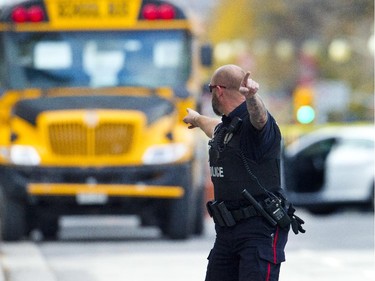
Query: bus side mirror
point(206, 55)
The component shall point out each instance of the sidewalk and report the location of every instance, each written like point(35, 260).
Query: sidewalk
point(2, 271)
point(23, 261)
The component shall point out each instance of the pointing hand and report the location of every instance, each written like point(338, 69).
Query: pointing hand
point(191, 118)
point(248, 87)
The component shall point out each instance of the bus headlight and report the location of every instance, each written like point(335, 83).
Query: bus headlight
point(24, 155)
point(162, 154)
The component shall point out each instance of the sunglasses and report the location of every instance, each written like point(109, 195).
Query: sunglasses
point(211, 87)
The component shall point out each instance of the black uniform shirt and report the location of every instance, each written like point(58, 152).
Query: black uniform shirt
point(260, 148)
point(257, 144)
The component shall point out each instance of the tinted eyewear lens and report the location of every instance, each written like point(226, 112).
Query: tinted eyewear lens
point(211, 87)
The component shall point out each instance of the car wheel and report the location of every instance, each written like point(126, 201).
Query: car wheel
point(12, 218)
point(178, 227)
point(179, 217)
point(199, 213)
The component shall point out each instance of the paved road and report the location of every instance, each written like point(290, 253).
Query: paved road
point(337, 247)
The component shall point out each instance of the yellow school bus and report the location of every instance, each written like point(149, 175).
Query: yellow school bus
point(92, 96)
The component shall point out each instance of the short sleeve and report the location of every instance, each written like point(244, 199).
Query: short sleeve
point(258, 144)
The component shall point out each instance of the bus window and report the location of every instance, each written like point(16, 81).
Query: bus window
point(52, 55)
point(77, 59)
point(167, 54)
point(102, 62)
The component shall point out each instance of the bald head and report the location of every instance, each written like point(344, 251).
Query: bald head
point(228, 97)
point(229, 75)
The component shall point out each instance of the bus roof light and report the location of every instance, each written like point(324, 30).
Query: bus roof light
point(35, 14)
point(150, 12)
point(167, 12)
point(19, 14)
point(154, 12)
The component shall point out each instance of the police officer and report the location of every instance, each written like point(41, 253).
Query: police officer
point(244, 154)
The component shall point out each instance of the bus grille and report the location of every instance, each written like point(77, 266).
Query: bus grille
point(80, 139)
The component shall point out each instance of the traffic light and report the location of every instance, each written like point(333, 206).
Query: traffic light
point(303, 102)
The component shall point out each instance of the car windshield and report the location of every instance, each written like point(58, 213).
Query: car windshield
point(99, 59)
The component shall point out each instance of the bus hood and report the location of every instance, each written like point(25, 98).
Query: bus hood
point(154, 107)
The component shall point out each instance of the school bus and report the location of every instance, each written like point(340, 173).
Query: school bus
point(92, 97)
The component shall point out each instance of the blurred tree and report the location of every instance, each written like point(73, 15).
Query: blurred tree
point(276, 35)
point(231, 21)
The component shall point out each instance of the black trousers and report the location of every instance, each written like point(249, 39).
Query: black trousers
point(252, 250)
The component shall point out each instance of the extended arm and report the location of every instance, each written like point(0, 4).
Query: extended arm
point(255, 106)
point(206, 124)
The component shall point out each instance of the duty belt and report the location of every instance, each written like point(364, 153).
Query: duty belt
point(224, 217)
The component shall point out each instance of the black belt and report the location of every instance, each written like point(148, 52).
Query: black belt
point(244, 213)
point(224, 217)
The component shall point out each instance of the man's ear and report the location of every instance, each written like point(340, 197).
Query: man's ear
point(220, 92)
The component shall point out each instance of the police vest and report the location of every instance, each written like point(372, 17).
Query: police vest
point(232, 172)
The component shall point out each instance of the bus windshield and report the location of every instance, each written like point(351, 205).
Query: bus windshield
point(99, 59)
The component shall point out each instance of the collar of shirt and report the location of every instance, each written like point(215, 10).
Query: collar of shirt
point(239, 111)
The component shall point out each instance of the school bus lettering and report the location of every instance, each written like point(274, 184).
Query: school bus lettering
point(118, 9)
point(91, 13)
point(83, 9)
